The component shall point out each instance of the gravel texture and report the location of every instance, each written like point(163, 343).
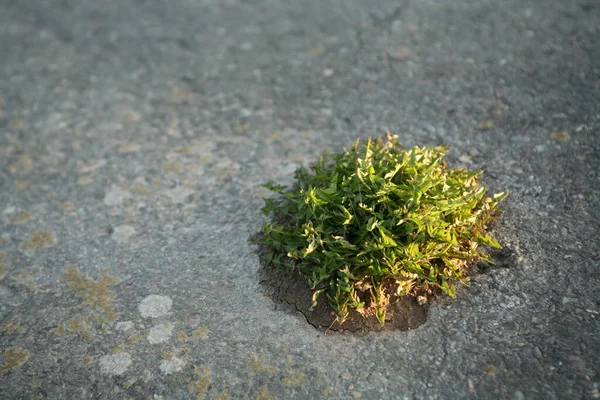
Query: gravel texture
point(134, 139)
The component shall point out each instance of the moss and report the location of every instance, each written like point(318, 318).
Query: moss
point(38, 239)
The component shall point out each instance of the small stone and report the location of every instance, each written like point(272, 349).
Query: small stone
point(537, 353)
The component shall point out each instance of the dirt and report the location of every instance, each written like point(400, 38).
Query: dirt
point(289, 290)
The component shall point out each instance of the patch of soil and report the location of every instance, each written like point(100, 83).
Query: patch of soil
point(290, 290)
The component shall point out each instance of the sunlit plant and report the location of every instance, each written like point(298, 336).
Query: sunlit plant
point(379, 221)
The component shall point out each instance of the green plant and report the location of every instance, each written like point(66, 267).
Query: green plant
point(379, 221)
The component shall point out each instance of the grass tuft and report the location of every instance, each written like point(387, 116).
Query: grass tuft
point(377, 222)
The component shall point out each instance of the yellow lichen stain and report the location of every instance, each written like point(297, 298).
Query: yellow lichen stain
point(16, 124)
point(172, 167)
point(84, 180)
point(182, 336)
point(183, 149)
point(38, 239)
point(117, 349)
point(206, 158)
point(258, 365)
point(172, 129)
point(126, 385)
point(66, 206)
point(31, 288)
point(263, 393)
point(96, 294)
point(201, 333)
point(166, 355)
point(3, 268)
point(561, 136)
point(21, 185)
point(276, 136)
point(486, 125)
point(179, 96)
point(240, 128)
point(24, 163)
point(183, 351)
point(316, 50)
point(224, 172)
point(134, 339)
point(21, 218)
point(1, 255)
point(127, 147)
point(224, 395)
point(156, 181)
point(293, 378)
point(204, 379)
point(21, 275)
point(11, 326)
point(87, 361)
point(132, 116)
point(12, 358)
point(357, 395)
point(78, 325)
point(130, 216)
point(139, 189)
point(402, 51)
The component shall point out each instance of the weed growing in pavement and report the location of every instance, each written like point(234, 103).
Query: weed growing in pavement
point(377, 222)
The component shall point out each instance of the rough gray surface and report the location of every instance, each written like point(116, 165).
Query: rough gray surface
point(135, 135)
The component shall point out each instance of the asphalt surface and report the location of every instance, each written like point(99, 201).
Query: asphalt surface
point(134, 139)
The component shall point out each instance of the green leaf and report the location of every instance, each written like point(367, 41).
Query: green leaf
point(375, 214)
